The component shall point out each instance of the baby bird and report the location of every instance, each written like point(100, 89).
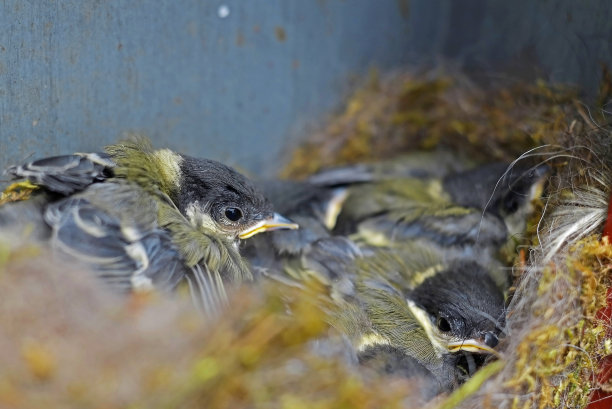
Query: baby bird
point(146, 218)
point(469, 215)
point(422, 317)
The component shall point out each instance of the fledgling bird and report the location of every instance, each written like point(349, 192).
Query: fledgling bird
point(317, 202)
point(469, 215)
point(422, 320)
point(146, 218)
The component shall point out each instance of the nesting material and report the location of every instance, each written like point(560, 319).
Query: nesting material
point(408, 111)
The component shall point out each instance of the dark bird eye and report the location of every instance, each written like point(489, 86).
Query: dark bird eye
point(511, 203)
point(443, 324)
point(233, 213)
point(491, 339)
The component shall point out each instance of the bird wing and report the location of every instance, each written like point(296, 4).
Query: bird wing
point(367, 200)
point(137, 255)
point(445, 232)
point(65, 174)
point(391, 317)
point(403, 269)
point(383, 314)
point(445, 225)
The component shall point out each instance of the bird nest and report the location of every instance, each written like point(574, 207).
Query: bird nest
point(558, 326)
point(65, 343)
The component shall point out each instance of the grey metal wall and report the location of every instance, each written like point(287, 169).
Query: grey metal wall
point(78, 73)
point(237, 80)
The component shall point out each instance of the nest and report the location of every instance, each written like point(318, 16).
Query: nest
point(556, 351)
point(559, 316)
point(67, 343)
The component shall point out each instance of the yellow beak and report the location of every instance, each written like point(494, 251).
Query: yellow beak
point(276, 222)
point(471, 345)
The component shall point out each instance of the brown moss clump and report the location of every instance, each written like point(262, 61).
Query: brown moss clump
point(409, 111)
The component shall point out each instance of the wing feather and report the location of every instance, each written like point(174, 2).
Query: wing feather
point(65, 174)
point(88, 233)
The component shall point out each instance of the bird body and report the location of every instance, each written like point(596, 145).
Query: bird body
point(469, 215)
point(147, 218)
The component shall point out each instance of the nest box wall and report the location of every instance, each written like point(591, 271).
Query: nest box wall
point(239, 80)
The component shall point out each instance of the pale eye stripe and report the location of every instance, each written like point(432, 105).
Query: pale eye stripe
point(425, 323)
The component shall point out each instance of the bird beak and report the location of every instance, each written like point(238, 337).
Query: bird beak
point(471, 345)
point(276, 222)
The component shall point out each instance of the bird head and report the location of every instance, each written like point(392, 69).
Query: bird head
point(464, 309)
point(215, 196)
point(209, 194)
point(501, 189)
point(445, 317)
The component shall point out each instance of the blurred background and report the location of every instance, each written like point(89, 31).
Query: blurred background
point(243, 81)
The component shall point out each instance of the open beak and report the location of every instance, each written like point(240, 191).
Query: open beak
point(276, 222)
point(471, 345)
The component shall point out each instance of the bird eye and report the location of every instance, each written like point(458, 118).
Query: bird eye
point(233, 213)
point(443, 324)
point(511, 204)
point(491, 339)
